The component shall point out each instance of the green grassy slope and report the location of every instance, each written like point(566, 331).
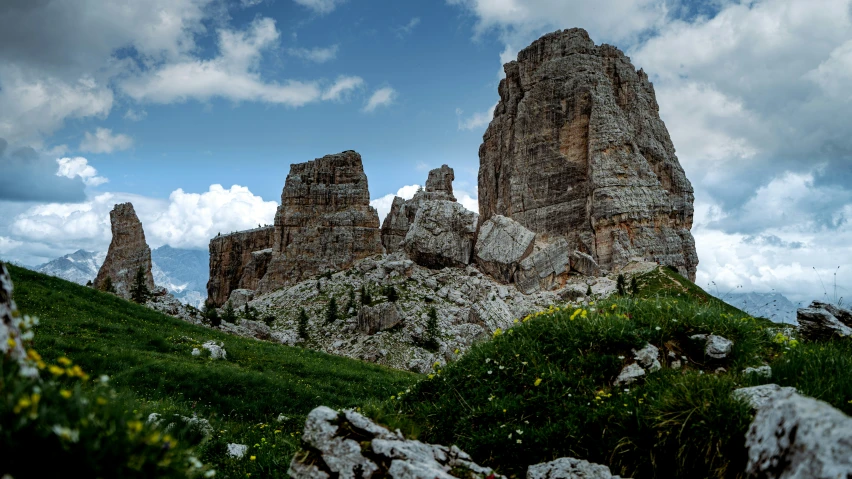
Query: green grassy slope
point(148, 354)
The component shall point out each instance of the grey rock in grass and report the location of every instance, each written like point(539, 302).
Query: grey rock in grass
point(237, 450)
point(217, 350)
point(716, 347)
point(824, 320)
point(569, 468)
point(348, 445)
point(797, 437)
point(760, 396)
point(629, 374)
point(764, 371)
point(372, 319)
point(584, 264)
point(502, 243)
point(544, 269)
point(441, 235)
point(648, 357)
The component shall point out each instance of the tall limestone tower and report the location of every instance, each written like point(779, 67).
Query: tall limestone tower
point(128, 252)
point(577, 150)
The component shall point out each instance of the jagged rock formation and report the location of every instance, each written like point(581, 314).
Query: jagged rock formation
point(569, 468)
point(823, 321)
point(577, 150)
point(127, 252)
point(238, 261)
point(325, 221)
point(439, 186)
point(442, 235)
point(349, 445)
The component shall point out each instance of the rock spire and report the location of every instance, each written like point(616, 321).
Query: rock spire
point(128, 251)
point(577, 150)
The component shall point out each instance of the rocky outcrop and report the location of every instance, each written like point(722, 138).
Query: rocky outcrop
point(824, 320)
point(545, 269)
point(324, 223)
point(577, 150)
point(501, 245)
point(372, 319)
point(442, 235)
point(347, 445)
point(127, 252)
point(793, 436)
point(569, 468)
point(238, 261)
point(439, 186)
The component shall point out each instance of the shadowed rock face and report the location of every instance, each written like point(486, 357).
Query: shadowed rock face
point(325, 221)
point(238, 261)
point(128, 251)
point(577, 149)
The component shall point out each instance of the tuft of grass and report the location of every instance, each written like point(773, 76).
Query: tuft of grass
point(148, 356)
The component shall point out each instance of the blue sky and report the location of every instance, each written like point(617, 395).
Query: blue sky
point(194, 110)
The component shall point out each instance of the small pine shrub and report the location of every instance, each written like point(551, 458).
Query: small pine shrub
point(634, 286)
point(229, 314)
point(303, 324)
point(139, 291)
point(331, 311)
point(433, 331)
point(366, 297)
point(621, 286)
point(107, 286)
point(391, 294)
point(589, 291)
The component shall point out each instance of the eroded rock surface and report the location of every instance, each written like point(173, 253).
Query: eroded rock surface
point(441, 235)
point(372, 319)
point(569, 468)
point(577, 150)
point(127, 252)
point(502, 243)
point(439, 186)
point(347, 445)
point(238, 261)
point(794, 436)
point(545, 269)
point(324, 223)
point(824, 320)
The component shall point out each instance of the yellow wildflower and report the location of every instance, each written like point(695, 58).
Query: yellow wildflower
point(252, 458)
point(498, 332)
point(56, 370)
point(64, 361)
point(537, 381)
point(11, 342)
point(65, 393)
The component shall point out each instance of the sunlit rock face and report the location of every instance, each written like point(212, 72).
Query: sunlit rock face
point(238, 261)
point(128, 252)
point(577, 150)
point(325, 221)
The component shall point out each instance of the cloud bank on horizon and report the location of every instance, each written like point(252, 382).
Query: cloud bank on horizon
point(754, 94)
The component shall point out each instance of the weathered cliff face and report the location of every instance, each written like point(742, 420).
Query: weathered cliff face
point(325, 221)
point(439, 186)
point(128, 251)
point(238, 261)
point(577, 150)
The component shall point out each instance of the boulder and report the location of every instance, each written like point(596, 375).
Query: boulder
point(629, 374)
point(759, 396)
point(324, 223)
point(764, 371)
point(794, 436)
point(372, 319)
point(824, 320)
point(569, 468)
point(127, 252)
point(545, 269)
point(577, 149)
point(347, 445)
point(584, 264)
point(441, 235)
point(501, 245)
point(491, 314)
point(648, 357)
point(715, 347)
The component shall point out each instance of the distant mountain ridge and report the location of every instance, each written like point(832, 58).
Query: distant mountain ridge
point(183, 272)
point(772, 306)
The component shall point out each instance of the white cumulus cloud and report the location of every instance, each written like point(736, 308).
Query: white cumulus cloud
point(384, 203)
point(341, 87)
point(79, 166)
point(381, 97)
point(476, 121)
point(103, 140)
point(317, 54)
point(320, 6)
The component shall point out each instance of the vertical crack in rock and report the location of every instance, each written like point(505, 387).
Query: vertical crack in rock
point(577, 150)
